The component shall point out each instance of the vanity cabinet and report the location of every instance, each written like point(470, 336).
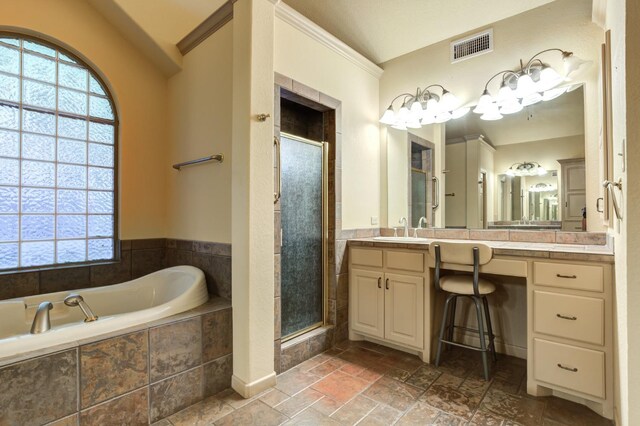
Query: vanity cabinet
point(571, 331)
point(387, 297)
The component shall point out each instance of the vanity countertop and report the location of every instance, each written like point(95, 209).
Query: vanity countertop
point(580, 252)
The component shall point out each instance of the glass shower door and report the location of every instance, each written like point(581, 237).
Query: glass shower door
point(303, 234)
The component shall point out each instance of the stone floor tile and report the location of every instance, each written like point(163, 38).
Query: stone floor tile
point(274, 397)
point(393, 393)
point(311, 417)
point(201, 414)
point(340, 386)
point(397, 374)
point(420, 413)
point(451, 400)
point(256, 413)
point(525, 411)
point(351, 368)
point(293, 381)
point(424, 376)
point(369, 376)
point(353, 411)
point(402, 361)
point(486, 418)
point(382, 415)
point(298, 402)
point(449, 380)
point(327, 406)
point(327, 367)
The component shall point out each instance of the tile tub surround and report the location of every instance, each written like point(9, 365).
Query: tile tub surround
point(137, 258)
point(135, 377)
point(367, 384)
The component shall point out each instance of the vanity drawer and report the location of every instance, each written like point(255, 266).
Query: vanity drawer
point(366, 257)
point(569, 367)
point(572, 276)
point(405, 261)
point(572, 317)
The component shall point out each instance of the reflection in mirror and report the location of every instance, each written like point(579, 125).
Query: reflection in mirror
point(525, 171)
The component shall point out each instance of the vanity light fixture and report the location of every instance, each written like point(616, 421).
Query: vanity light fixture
point(527, 168)
point(423, 108)
point(542, 187)
point(536, 81)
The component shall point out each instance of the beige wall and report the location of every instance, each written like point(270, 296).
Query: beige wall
point(140, 94)
point(200, 98)
point(305, 60)
point(565, 24)
point(546, 152)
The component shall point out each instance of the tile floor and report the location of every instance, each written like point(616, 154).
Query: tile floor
point(367, 384)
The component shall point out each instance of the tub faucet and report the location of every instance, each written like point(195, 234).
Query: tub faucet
point(77, 300)
point(403, 222)
point(41, 321)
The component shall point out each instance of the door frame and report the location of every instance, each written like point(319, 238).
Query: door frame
point(325, 231)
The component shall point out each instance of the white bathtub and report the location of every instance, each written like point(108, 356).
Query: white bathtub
point(120, 306)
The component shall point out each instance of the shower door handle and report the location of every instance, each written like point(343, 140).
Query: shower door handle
point(436, 198)
point(278, 193)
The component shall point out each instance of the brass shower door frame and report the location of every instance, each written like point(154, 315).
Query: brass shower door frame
point(325, 232)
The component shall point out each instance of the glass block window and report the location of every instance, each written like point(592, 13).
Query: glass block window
point(57, 158)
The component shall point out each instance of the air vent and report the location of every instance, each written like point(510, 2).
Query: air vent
point(474, 45)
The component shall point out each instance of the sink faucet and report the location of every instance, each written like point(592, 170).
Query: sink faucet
point(403, 222)
point(41, 321)
point(77, 300)
point(420, 222)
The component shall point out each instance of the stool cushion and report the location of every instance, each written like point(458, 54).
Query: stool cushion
point(463, 284)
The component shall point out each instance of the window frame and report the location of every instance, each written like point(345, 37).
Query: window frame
point(93, 72)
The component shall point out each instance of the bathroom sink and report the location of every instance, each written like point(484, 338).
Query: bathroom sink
point(401, 239)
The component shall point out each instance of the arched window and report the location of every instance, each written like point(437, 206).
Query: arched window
point(57, 158)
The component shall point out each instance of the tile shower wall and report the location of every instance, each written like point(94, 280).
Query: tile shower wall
point(137, 258)
point(133, 378)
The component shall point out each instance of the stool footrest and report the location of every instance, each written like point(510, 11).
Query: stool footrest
point(462, 345)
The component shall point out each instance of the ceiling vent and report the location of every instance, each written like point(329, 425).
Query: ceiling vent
point(474, 45)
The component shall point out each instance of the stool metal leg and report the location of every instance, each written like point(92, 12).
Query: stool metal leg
point(452, 319)
point(443, 326)
point(483, 344)
point(489, 328)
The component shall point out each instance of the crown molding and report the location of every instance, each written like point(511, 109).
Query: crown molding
point(287, 14)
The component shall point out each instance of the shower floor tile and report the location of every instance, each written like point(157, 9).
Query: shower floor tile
point(367, 384)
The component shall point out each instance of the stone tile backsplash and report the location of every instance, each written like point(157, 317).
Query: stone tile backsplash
point(137, 258)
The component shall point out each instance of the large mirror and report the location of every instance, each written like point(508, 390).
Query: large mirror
point(524, 171)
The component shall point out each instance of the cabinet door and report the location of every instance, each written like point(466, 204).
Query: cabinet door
point(404, 309)
point(367, 302)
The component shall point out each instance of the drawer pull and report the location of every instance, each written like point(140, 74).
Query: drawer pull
point(379, 282)
point(386, 284)
point(573, 370)
point(572, 277)
point(566, 317)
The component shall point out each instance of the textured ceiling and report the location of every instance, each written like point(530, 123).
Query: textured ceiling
point(385, 29)
point(561, 117)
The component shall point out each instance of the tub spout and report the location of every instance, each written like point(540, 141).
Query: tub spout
point(41, 321)
point(77, 300)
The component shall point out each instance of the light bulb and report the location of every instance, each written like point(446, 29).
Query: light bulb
point(449, 101)
point(511, 107)
point(403, 113)
point(483, 102)
point(443, 117)
point(510, 172)
point(389, 117)
point(553, 93)
point(491, 113)
point(506, 95)
point(428, 118)
point(526, 86)
point(549, 79)
point(399, 125)
point(531, 99)
point(460, 112)
point(541, 171)
point(416, 110)
point(413, 124)
point(432, 106)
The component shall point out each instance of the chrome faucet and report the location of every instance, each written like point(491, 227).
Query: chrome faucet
point(420, 222)
point(403, 222)
point(41, 321)
point(77, 300)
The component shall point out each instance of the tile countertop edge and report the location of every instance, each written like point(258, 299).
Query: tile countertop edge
point(508, 248)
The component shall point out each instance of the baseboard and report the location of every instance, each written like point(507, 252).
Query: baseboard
point(247, 390)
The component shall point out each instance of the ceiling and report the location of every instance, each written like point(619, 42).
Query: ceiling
point(385, 29)
point(560, 117)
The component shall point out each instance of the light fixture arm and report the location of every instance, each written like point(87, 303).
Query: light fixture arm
point(554, 49)
point(398, 97)
point(486, 86)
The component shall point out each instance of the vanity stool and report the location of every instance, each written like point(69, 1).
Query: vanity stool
point(471, 286)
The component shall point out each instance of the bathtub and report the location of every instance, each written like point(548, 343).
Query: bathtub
point(120, 306)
